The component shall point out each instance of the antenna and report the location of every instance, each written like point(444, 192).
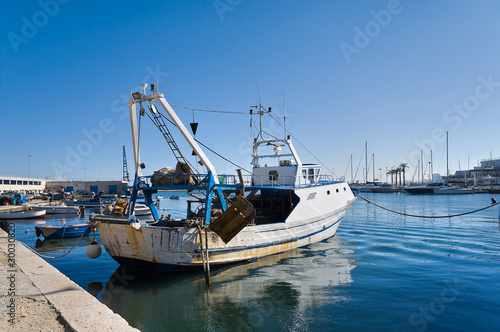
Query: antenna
point(284, 113)
point(255, 77)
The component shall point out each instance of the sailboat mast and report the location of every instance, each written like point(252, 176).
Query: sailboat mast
point(352, 178)
point(447, 169)
point(422, 164)
point(373, 160)
point(366, 161)
point(432, 170)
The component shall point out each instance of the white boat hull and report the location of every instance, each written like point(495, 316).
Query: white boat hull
point(57, 209)
point(452, 191)
point(22, 215)
point(178, 248)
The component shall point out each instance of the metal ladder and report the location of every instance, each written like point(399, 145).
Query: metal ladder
point(160, 124)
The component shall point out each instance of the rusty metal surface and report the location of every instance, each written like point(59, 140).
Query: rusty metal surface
point(234, 219)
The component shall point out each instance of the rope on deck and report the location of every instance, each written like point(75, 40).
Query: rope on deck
point(428, 217)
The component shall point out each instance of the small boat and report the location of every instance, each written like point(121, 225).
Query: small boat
point(94, 202)
point(65, 231)
point(23, 215)
point(385, 188)
point(175, 197)
point(141, 210)
point(60, 209)
point(88, 204)
point(453, 190)
point(424, 190)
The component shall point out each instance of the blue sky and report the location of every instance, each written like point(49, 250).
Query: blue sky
point(397, 74)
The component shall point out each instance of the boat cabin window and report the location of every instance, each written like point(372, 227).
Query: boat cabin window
point(273, 175)
point(313, 174)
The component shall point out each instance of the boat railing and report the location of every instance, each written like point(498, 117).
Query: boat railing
point(275, 181)
point(186, 180)
point(194, 181)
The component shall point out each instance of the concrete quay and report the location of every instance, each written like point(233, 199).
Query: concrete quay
point(35, 296)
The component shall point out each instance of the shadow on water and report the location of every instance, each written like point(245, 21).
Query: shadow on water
point(258, 294)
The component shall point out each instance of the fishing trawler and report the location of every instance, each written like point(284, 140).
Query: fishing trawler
point(278, 207)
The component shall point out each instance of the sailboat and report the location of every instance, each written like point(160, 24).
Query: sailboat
point(447, 189)
point(278, 207)
point(438, 188)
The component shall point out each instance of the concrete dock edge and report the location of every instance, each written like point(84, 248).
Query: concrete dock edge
point(79, 310)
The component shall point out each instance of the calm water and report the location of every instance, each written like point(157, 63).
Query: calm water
point(381, 272)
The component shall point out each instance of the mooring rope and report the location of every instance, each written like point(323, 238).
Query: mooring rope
point(204, 256)
point(428, 217)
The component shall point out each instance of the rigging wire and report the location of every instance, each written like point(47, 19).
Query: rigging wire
point(302, 145)
point(255, 76)
point(416, 170)
point(209, 111)
point(369, 166)
point(234, 164)
point(347, 169)
point(158, 127)
point(253, 123)
point(359, 164)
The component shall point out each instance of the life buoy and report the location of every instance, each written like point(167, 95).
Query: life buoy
point(98, 199)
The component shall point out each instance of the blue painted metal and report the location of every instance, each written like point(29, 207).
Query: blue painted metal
point(69, 232)
point(148, 194)
point(208, 198)
point(205, 183)
point(220, 196)
point(133, 196)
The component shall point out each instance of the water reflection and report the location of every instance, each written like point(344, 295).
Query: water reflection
point(60, 245)
point(265, 293)
point(64, 219)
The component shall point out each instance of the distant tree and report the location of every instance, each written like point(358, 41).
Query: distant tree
point(403, 167)
point(391, 174)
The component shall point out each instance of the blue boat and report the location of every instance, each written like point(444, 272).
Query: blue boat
point(65, 231)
